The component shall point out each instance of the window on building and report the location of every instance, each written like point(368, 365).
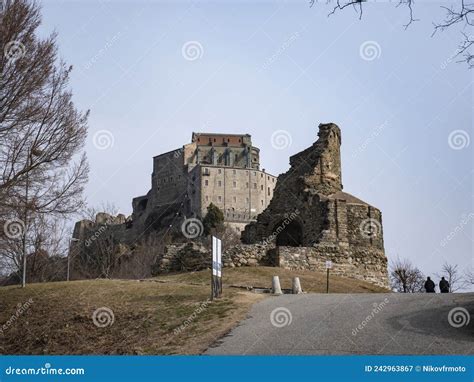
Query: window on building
point(234, 172)
point(261, 175)
point(261, 187)
point(234, 184)
point(206, 182)
point(219, 198)
point(268, 191)
point(273, 180)
point(219, 183)
point(255, 185)
point(234, 199)
point(247, 200)
point(262, 202)
point(255, 173)
point(219, 171)
point(247, 184)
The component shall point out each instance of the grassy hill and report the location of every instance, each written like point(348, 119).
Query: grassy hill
point(167, 315)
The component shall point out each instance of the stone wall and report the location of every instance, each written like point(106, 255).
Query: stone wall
point(182, 257)
point(370, 266)
point(248, 255)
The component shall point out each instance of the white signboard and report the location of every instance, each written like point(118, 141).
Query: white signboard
point(328, 264)
point(216, 257)
point(219, 258)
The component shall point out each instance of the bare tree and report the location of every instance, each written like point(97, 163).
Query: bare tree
point(468, 278)
point(405, 277)
point(43, 169)
point(460, 14)
point(451, 273)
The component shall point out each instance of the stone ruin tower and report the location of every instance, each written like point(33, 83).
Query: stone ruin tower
point(311, 220)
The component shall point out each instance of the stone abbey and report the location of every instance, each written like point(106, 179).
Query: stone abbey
point(298, 220)
point(223, 169)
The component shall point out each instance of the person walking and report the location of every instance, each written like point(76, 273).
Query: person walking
point(429, 286)
point(444, 285)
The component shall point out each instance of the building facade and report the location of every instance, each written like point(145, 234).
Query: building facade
point(223, 169)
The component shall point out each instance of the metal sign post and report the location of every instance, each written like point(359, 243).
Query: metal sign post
point(328, 267)
point(216, 280)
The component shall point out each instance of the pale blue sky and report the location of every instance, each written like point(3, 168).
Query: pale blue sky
point(268, 66)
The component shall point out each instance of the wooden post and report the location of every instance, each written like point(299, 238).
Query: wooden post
point(327, 281)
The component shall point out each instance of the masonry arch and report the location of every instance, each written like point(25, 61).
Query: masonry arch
point(289, 234)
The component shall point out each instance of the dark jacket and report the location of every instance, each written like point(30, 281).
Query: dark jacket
point(444, 286)
point(430, 286)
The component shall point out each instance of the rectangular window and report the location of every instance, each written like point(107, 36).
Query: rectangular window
point(234, 199)
point(261, 187)
point(234, 172)
point(219, 171)
point(247, 200)
point(262, 202)
point(268, 191)
point(219, 198)
point(247, 184)
point(255, 185)
point(219, 183)
point(206, 182)
point(234, 184)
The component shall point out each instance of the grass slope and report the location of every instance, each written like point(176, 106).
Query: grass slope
point(165, 315)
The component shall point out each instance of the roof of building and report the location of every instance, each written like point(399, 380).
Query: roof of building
point(347, 197)
point(222, 134)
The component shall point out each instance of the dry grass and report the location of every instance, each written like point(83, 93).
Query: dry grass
point(311, 282)
point(146, 314)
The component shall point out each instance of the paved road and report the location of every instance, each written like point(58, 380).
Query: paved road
point(355, 324)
